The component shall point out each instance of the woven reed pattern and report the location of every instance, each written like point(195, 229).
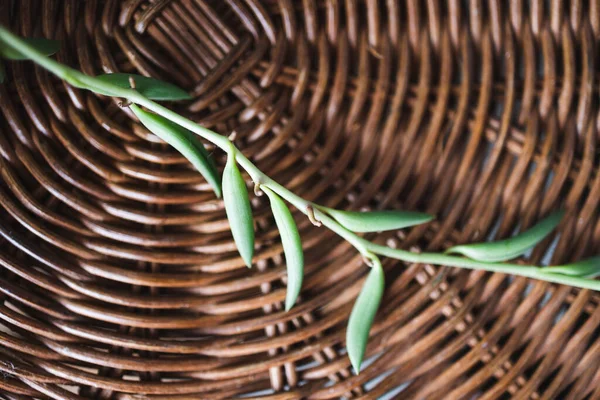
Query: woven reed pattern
point(118, 275)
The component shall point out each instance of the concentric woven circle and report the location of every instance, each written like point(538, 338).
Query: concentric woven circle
point(119, 278)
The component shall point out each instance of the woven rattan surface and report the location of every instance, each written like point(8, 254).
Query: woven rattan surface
point(119, 278)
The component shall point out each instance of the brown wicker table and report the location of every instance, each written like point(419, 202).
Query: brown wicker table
point(118, 275)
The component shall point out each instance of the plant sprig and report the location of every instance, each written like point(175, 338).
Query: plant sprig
point(139, 92)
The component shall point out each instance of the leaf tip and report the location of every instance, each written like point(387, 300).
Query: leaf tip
point(427, 218)
point(247, 259)
point(247, 252)
point(289, 304)
point(291, 298)
point(356, 361)
point(560, 213)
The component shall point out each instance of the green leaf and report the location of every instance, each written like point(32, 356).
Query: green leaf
point(184, 142)
point(588, 268)
point(45, 46)
point(510, 248)
point(292, 247)
point(375, 221)
point(151, 88)
point(239, 212)
point(212, 175)
point(363, 314)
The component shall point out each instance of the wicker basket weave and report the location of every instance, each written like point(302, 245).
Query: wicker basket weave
point(118, 275)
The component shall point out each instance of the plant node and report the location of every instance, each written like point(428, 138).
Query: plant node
point(257, 191)
point(310, 212)
point(368, 261)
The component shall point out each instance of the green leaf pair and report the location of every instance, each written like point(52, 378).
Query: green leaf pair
point(507, 249)
point(45, 46)
point(376, 221)
point(184, 141)
point(363, 315)
point(239, 214)
point(236, 199)
point(366, 305)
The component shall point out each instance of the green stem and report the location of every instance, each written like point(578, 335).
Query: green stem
point(366, 248)
point(454, 261)
point(93, 84)
point(528, 271)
